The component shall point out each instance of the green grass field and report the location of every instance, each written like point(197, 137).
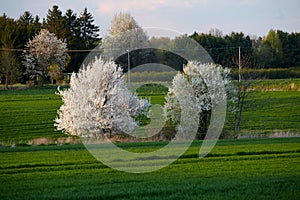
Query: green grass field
point(29, 114)
point(271, 112)
point(235, 169)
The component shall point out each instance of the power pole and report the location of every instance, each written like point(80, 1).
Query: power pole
point(240, 66)
point(128, 76)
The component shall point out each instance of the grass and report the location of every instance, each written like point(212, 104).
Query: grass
point(29, 114)
point(273, 111)
point(277, 85)
point(235, 169)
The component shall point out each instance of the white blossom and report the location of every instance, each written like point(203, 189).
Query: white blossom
point(43, 50)
point(98, 102)
point(196, 89)
point(124, 35)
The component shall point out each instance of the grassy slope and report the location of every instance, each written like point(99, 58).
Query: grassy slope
point(241, 169)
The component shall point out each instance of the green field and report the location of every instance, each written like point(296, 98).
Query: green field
point(272, 112)
point(29, 114)
point(235, 169)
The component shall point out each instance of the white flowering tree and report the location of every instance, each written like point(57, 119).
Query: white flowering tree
point(44, 52)
point(98, 102)
point(124, 35)
point(198, 88)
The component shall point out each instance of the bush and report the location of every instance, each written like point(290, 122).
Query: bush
point(274, 73)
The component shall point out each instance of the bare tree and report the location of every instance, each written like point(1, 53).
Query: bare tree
point(242, 89)
point(9, 67)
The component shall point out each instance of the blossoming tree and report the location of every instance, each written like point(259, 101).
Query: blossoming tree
point(98, 102)
point(125, 36)
point(199, 87)
point(44, 52)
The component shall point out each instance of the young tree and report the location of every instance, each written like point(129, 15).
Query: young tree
point(98, 102)
point(241, 90)
point(9, 67)
point(43, 51)
point(198, 88)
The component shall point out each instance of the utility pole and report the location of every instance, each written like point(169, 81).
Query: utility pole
point(128, 76)
point(240, 66)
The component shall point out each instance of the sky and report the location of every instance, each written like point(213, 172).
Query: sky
point(252, 17)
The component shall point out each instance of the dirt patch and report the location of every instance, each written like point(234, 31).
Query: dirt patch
point(58, 141)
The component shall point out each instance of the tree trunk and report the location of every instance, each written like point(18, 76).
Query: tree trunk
point(6, 81)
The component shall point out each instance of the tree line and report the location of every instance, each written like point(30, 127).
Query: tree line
point(278, 49)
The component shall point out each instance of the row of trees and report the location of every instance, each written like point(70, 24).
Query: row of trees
point(278, 49)
point(78, 31)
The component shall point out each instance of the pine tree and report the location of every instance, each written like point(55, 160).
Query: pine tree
point(88, 30)
point(55, 23)
point(72, 29)
point(28, 27)
point(9, 65)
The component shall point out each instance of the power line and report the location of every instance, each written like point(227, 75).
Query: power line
point(100, 49)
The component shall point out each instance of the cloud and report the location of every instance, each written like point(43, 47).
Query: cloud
point(108, 6)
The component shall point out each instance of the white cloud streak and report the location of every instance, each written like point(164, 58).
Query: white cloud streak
point(108, 6)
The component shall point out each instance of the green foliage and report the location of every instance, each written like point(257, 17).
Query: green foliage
point(150, 89)
point(268, 73)
point(277, 50)
point(224, 50)
point(240, 169)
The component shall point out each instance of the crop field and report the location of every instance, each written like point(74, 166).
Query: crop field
point(235, 169)
point(29, 114)
point(272, 111)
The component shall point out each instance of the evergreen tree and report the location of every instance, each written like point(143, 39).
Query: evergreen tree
point(72, 29)
point(25, 23)
point(73, 40)
point(88, 30)
point(9, 65)
point(55, 22)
